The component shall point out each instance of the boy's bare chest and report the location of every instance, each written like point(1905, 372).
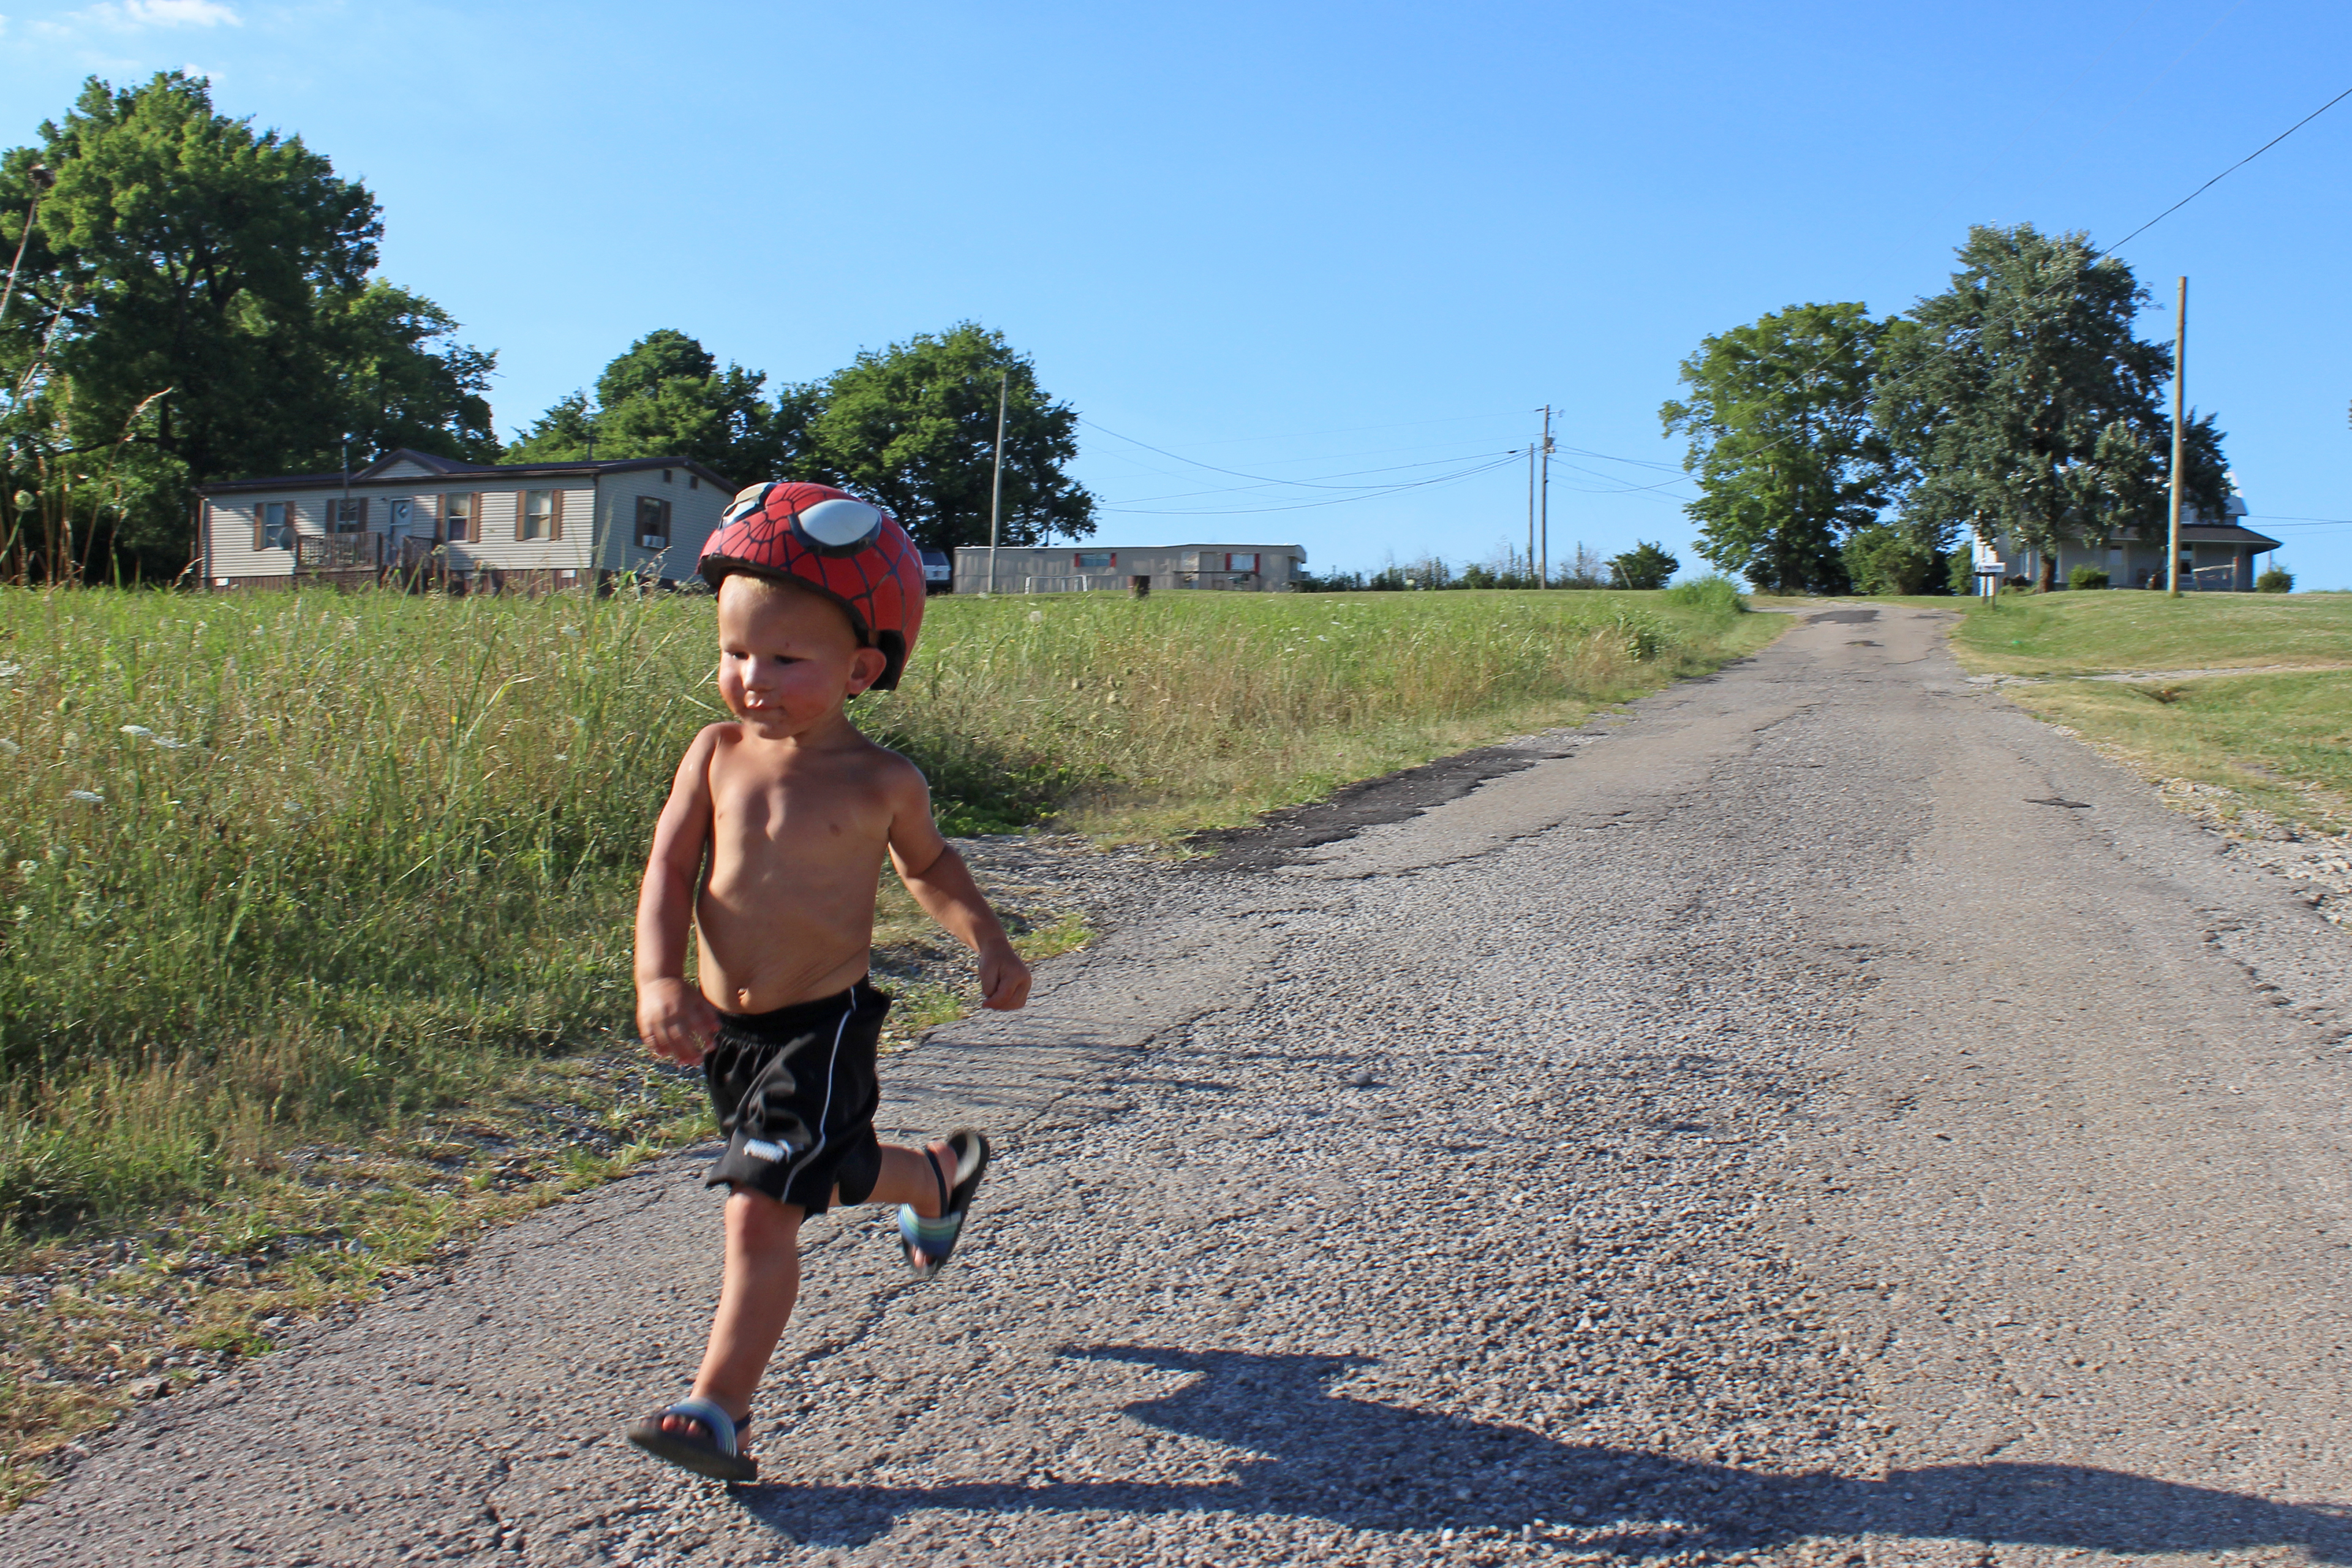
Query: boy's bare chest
point(812, 811)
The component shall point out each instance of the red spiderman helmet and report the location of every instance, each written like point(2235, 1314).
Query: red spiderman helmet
point(850, 551)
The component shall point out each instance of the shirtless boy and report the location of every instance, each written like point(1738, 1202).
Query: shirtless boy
point(770, 849)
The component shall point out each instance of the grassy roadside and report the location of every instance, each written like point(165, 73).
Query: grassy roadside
point(314, 910)
point(2267, 751)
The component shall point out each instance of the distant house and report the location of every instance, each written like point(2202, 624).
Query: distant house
point(2216, 554)
point(1091, 568)
point(514, 527)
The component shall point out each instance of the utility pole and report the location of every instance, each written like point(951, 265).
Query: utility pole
point(1532, 513)
point(2179, 374)
point(1544, 578)
point(996, 493)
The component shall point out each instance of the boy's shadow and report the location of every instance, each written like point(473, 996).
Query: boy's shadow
point(1369, 1466)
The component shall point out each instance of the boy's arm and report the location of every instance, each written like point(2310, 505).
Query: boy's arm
point(941, 882)
point(672, 1016)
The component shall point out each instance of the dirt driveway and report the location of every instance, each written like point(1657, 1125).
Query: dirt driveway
point(1826, 1117)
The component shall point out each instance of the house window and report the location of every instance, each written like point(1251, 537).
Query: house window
point(276, 531)
point(538, 520)
point(1095, 561)
point(1242, 562)
point(347, 516)
point(457, 518)
point(653, 523)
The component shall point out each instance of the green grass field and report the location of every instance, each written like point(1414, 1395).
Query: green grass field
point(315, 910)
point(2089, 633)
point(2278, 742)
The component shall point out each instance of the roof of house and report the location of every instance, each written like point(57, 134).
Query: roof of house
point(2226, 533)
point(378, 473)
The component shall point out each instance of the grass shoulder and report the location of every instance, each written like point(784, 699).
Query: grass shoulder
point(2238, 706)
point(2125, 630)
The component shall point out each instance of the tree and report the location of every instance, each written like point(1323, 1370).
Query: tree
point(1883, 560)
point(1778, 414)
point(1643, 566)
point(666, 396)
point(914, 427)
point(2026, 404)
point(194, 304)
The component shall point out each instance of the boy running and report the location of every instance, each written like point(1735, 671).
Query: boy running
point(770, 847)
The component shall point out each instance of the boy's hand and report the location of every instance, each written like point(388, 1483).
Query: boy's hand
point(1003, 978)
point(675, 1020)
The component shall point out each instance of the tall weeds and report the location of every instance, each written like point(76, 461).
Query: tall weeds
point(273, 862)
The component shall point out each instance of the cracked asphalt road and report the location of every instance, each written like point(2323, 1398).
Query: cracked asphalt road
point(1764, 1129)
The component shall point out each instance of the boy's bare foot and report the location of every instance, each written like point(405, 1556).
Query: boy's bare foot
point(696, 1434)
point(678, 1425)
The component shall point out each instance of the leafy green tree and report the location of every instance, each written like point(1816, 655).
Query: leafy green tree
point(1643, 566)
point(194, 304)
point(2024, 402)
point(1883, 560)
point(666, 396)
point(1778, 414)
point(914, 427)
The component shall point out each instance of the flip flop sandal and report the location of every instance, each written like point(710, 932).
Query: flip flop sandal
point(711, 1452)
point(936, 1239)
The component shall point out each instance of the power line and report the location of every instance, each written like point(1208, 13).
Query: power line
point(1396, 467)
point(1506, 457)
point(2229, 171)
point(1236, 473)
point(1351, 429)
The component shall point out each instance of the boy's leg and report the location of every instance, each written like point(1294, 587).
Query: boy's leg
point(755, 1301)
point(908, 1176)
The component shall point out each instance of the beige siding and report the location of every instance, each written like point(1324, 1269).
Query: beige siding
point(404, 469)
point(495, 546)
point(1056, 569)
point(694, 511)
point(230, 522)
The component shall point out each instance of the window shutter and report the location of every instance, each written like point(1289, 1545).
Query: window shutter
point(522, 510)
point(555, 514)
point(474, 523)
point(260, 511)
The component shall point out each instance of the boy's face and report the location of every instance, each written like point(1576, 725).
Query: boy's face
point(787, 658)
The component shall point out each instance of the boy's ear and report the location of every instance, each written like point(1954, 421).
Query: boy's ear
point(867, 669)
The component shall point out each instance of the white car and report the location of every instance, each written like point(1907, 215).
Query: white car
point(938, 572)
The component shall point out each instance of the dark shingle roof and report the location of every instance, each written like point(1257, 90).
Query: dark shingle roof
point(375, 476)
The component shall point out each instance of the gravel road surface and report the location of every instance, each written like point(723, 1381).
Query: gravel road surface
point(1823, 1118)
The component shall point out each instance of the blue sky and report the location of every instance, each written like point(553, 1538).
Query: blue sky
point(1309, 241)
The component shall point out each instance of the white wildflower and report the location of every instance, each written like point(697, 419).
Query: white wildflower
point(170, 744)
point(90, 796)
point(136, 731)
point(571, 631)
point(562, 757)
point(27, 868)
point(1035, 616)
point(9, 671)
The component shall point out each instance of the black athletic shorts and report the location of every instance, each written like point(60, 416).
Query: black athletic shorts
point(795, 1092)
